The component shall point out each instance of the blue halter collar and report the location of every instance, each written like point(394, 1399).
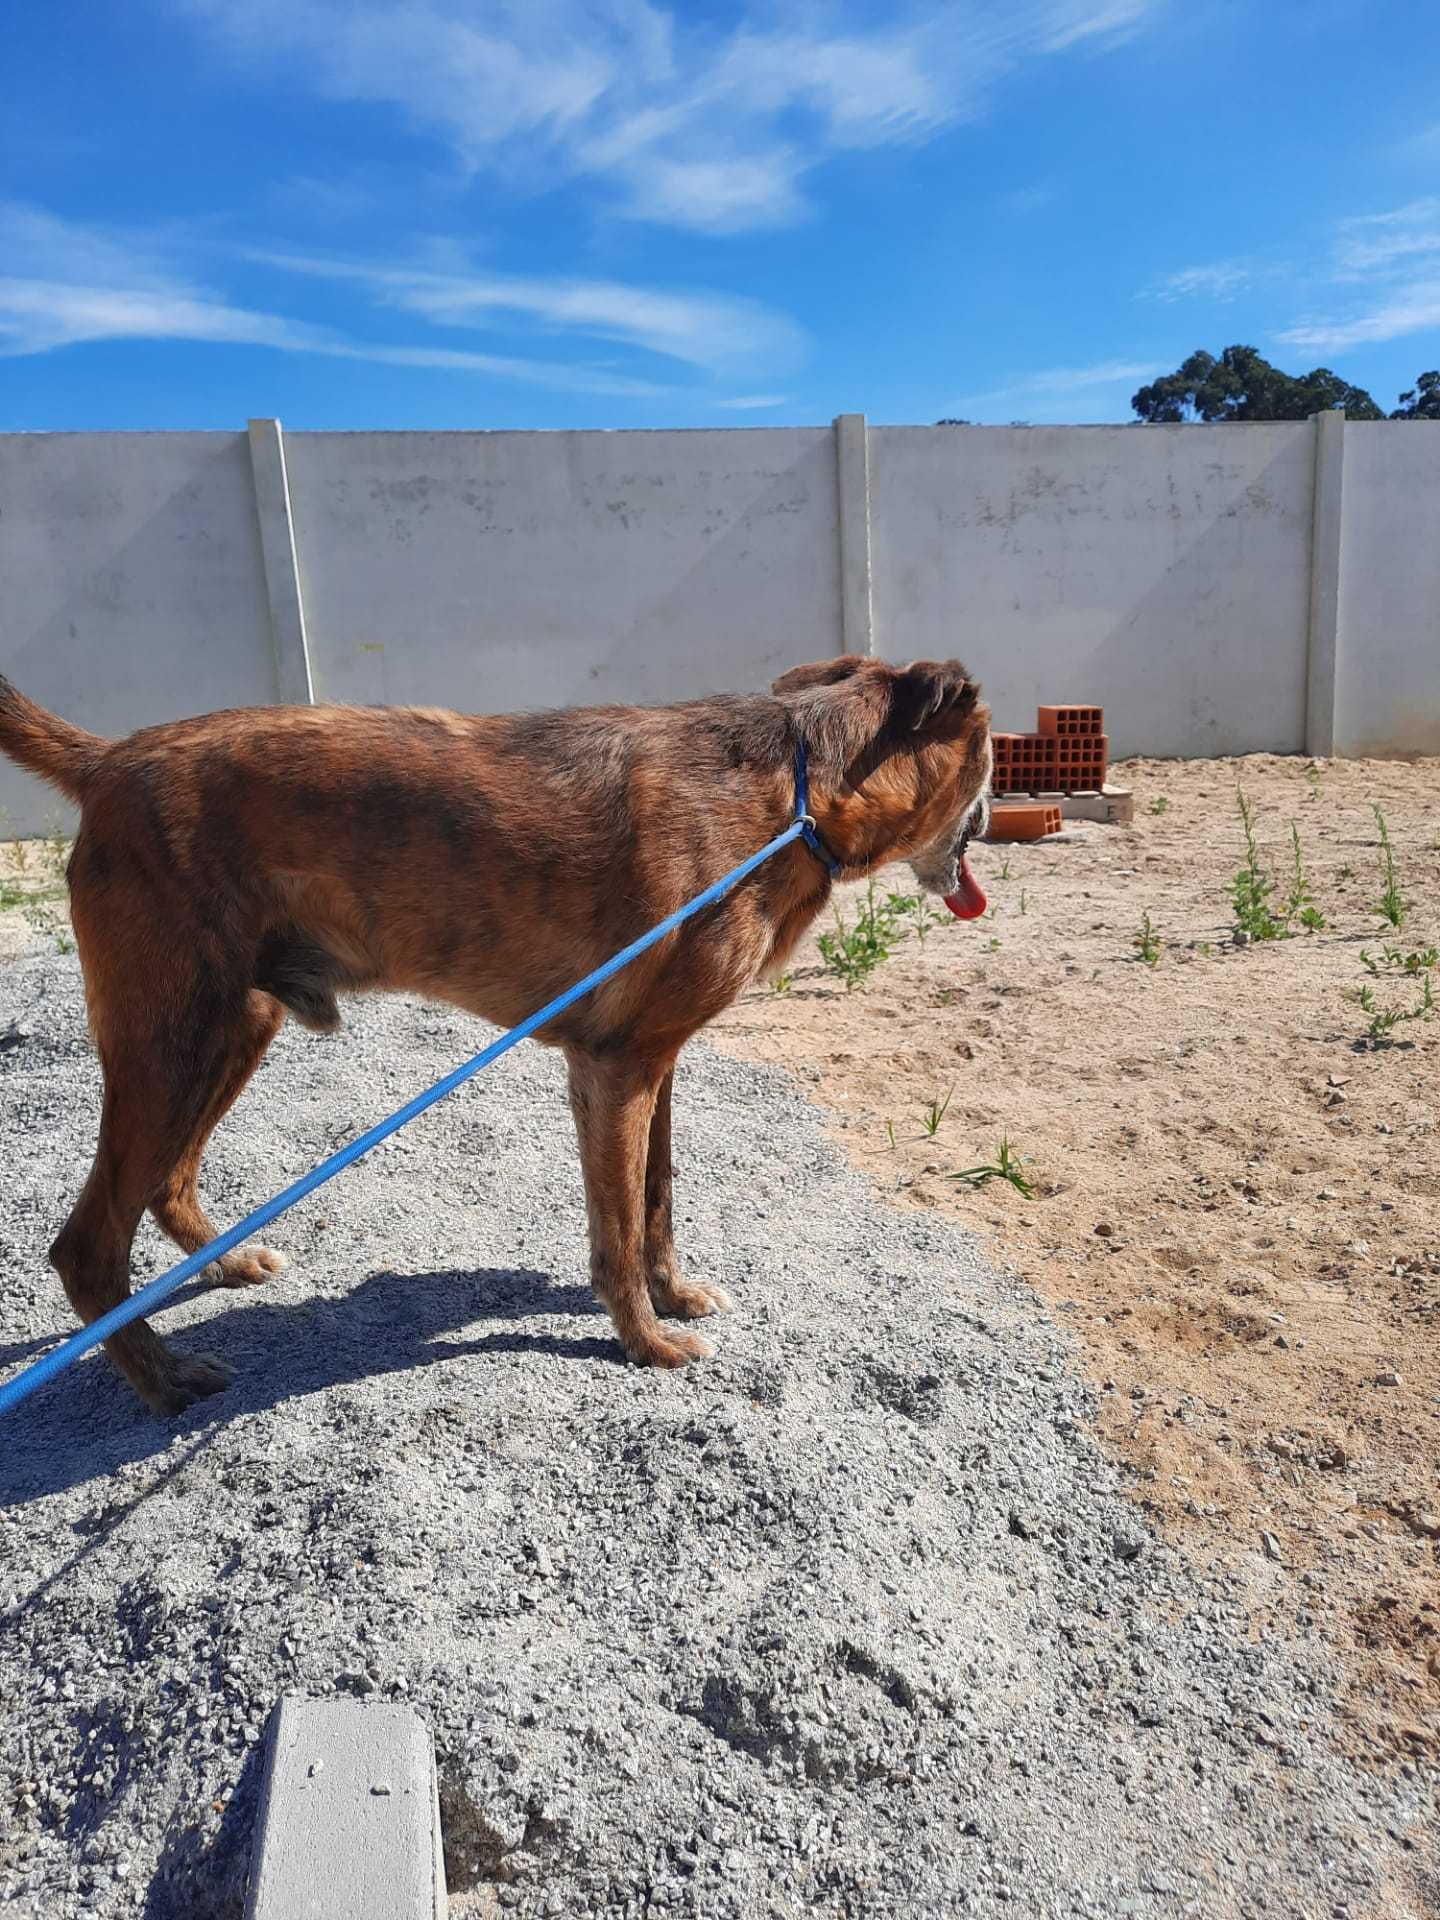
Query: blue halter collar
point(808, 832)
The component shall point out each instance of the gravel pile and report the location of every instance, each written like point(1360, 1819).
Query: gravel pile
point(853, 1620)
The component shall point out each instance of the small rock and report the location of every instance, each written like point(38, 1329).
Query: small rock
point(1104, 1230)
point(1126, 1545)
point(1271, 1546)
point(382, 1789)
point(1327, 1193)
point(1389, 1378)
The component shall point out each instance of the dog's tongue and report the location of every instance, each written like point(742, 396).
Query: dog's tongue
point(967, 902)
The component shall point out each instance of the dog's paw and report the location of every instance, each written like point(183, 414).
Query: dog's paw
point(188, 1377)
point(689, 1299)
point(668, 1349)
point(247, 1268)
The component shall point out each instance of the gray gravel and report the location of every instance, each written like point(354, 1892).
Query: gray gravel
point(854, 1620)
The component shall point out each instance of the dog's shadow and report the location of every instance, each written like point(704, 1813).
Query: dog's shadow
point(87, 1423)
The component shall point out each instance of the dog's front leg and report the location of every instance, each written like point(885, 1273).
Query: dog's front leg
point(686, 1299)
point(614, 1103)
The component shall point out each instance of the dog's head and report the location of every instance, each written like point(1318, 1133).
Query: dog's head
point(911, 746)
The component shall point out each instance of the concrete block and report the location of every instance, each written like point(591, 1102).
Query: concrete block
point(1115, 806)
point(349, 1821)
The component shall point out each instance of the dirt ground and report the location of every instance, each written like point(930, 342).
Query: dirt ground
point(1237, 1197)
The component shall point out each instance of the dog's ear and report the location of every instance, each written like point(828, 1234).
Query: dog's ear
point(931, 696)
point(855, 712)
point(820, 673)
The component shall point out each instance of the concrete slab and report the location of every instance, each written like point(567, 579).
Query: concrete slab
point(1114, 806)
point(349, 1822)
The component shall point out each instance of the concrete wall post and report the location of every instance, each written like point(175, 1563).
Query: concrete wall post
point(294, 685)
point(1323, 652)
point(852, 456)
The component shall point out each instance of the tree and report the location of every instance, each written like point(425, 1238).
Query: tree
point(1422, 402)
point(1242, 385)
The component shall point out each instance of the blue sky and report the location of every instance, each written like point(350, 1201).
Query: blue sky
point(550, 213)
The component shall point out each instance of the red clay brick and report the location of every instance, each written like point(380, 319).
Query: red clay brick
point(1031, 822)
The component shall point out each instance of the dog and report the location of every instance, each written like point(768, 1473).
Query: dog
point(232, 868)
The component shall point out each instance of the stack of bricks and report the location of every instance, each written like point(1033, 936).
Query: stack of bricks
point(1069, 753)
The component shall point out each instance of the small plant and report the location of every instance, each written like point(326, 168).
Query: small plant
point(1159, 804)
point(934, 1113)
point(1392, 906)
point(1022, 900)
point(1007, 1165)
point(890, 1133)
point(1312, 780)
point(59, 844)
point(1147, 947)
point(994, 943)
point(1384, 1020)
point(10, 895)
point(1005, 869)
point(1206, 948)
point(853, 953)
point(1300, 902)
point(917, 910)
point(1251, 888)
point(1419, 961)
point(63, 942)
point(782, 983)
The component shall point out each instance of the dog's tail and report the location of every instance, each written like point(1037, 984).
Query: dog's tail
point(66, 756)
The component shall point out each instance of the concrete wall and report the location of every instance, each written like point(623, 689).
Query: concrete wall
point(1217, 589)
point(1388, 675)
point(131, 585)
point(1166, 569)
point(502, 570)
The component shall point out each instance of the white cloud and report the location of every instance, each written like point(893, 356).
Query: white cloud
point(1221, 280)
point(1412, 308)
point(754, 402)
point(1379, 242)
point(717, 332)
point(69, 284)
point(1056, 382)
point(1395, 257)
point(680, 122)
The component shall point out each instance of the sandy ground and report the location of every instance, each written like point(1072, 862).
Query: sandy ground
point(1237, 1206)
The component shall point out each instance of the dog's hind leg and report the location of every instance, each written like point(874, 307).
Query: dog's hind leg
point(140, 1136)
point(614, 1101)
point(176, 1206)
point(670, 1292)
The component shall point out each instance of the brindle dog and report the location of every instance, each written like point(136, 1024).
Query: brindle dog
point(232, 867)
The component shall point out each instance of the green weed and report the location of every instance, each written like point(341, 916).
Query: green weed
point(1159, 804)
point(1251, 888)
point(1300, 902)
point(1147, 947)
point(782, 983)
point(853, 953)
point(1259, 915)
point(1419, 960)
point(934, 1113)
point(1384, 1020)
point(1007, 1165)
point(914, 908)
point(1392, 905)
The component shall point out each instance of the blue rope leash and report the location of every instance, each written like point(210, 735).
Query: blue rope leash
point(12, 1392)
